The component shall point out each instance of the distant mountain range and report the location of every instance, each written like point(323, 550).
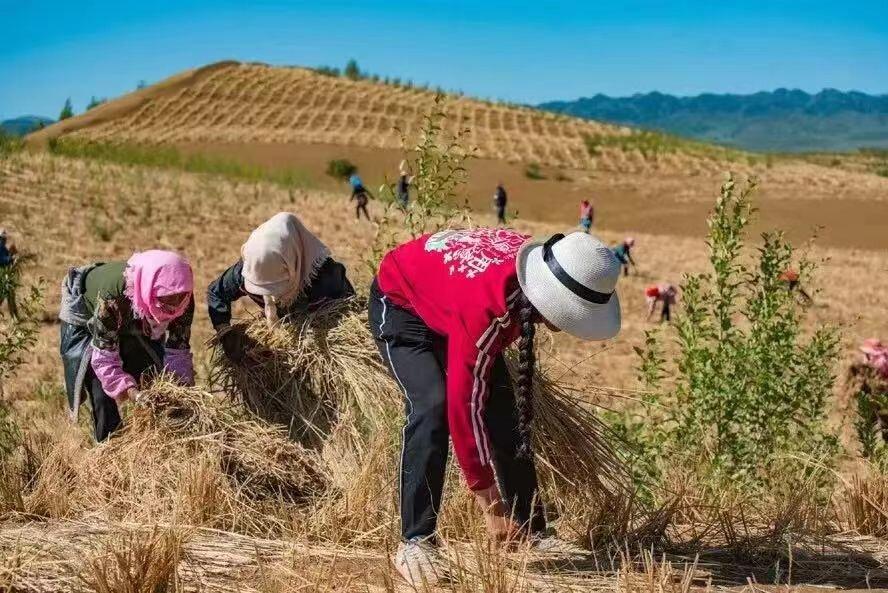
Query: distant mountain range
point(24, 124)
point(782, 120)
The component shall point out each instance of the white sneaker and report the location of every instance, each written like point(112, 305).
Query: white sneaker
point(419, 562)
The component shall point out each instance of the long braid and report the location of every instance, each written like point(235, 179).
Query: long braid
point(524, 384)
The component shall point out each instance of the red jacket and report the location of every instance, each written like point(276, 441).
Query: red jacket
point(462, 284)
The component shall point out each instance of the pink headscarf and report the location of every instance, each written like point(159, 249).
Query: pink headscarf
point(875, 355)
point(156, 273)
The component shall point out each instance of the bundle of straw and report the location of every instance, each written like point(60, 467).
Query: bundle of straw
point(308, 371)
point(575, 449)
point(257, 456)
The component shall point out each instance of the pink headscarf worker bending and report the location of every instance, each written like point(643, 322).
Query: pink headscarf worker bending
point(122, 323)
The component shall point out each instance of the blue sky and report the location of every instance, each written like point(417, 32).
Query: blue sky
point(519, 51)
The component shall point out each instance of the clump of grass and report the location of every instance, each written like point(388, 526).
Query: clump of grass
point(168, 157)
point(10, 144)
point(533, 171)
point(341, 168)
point(135, 563)
point(183, 454)
point(870, 391)
point(103, 230)
point(866, 503)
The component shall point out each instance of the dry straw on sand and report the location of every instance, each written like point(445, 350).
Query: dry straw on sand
point(184, 455)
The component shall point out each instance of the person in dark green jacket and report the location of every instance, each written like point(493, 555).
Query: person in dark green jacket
point(121, 323)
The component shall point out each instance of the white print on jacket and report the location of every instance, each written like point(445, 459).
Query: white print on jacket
point(471, 252)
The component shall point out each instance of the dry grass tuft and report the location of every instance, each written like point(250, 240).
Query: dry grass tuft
point(136, 563)
point(650, 575)
point(866, 503)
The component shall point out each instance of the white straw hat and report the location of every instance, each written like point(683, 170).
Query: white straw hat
point(571, 281)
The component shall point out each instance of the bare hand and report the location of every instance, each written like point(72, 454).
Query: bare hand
point(130, 395)
point(497, 516)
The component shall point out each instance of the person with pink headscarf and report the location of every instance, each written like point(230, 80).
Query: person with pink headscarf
point(121, 322)
point(875, 356)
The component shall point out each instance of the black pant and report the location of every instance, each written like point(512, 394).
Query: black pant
point(105, 414)
point(361, 207)
point(501, 214)
point(665, 315)
point(415, 355)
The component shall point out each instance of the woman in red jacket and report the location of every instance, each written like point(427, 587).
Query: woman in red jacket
point(443, 308)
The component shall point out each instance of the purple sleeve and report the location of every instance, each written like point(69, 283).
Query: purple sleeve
point(180, 362)
point(109, 370)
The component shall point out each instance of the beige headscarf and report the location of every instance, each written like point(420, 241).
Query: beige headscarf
point(281, 257)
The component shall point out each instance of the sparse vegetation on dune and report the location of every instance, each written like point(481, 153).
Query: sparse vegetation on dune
point(170, 158)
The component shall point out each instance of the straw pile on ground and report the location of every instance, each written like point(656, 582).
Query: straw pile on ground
point(192, 457)
point(184, 455)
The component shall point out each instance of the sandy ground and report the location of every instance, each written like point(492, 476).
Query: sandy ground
point(667, 203)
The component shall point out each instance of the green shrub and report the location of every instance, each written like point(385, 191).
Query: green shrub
point(95, 102)
point(533, 171)
point(438, 161)
point(341, 168)
point(17, 336)
point(748, 388)
point(103, 230)
point(352, 71)
point(327, 71)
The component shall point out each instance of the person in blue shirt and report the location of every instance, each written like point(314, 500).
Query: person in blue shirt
point(361, 194)
point(623, 253)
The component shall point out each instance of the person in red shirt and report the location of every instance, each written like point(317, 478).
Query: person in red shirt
point(443, 308)
point(790, 277)
point(663, 293)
